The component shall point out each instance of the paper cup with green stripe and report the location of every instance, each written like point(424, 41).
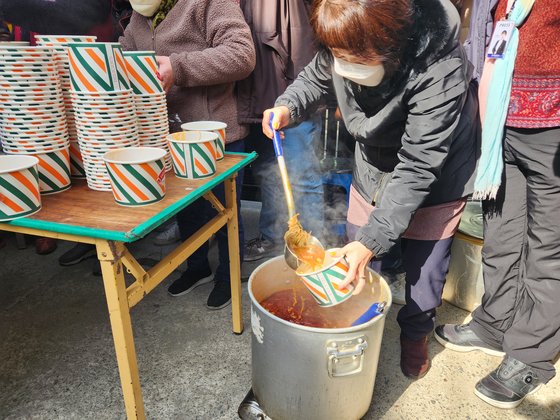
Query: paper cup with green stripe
point(193, 153)
point(217, 127)
point(76, 162)
point(54, 171)
point(137, 175)
point(19, 187)
point(63, 39)
point(141, 67)
point(97, 67)
point(325, 283)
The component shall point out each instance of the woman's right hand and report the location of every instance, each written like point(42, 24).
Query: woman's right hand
point(281, 119)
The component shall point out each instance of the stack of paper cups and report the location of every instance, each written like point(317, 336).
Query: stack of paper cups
point(103, 104)
point(150, 101)
point(104, 121)
point(32, 118)
point(59, 44)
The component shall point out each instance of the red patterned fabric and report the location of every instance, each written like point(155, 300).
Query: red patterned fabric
point(535, 92)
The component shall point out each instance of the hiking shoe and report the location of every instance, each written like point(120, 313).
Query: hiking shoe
point(168, 236)
point(462, 338)
point(220, 296)
point(189, 281)
point(508, 385)
point(415, 361)
point(77, 254)
point(259, 248)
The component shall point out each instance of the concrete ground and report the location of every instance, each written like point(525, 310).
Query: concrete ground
point(58, 361)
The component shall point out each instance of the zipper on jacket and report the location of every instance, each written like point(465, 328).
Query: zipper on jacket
point(379, 188)
point(153, 32)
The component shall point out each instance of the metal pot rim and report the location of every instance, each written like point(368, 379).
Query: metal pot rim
point(315, 329)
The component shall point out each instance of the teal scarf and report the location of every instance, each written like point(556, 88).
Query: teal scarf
point(491, 165)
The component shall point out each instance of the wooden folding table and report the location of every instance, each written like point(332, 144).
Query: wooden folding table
point(93, 217)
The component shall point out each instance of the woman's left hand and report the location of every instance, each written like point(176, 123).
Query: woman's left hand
point(165, 72)
point(358, 257)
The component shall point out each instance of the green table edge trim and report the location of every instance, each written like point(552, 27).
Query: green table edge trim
point(144, 228)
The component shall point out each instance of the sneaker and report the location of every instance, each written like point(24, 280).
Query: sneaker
point(462, 338)
point(77, 254)
point(220, 296)
point(168, 236)
point(508, 385)
point(189, 281)
point(259, 248)
point(415, 361)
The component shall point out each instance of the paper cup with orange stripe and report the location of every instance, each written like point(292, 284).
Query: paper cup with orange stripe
point(193, 153)
point(217, 127)
point(97, 67)
point(19, 187)
point(141, 67)
point(63, 39)
point(137, 175)
point(325, 283)
point(54, 171)
point(76, 162)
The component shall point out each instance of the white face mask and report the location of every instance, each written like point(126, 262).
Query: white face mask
point(359, 73)
point(145, 7)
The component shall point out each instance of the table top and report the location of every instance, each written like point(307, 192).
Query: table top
point(85, 212)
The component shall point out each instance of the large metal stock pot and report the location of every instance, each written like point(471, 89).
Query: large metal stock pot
point(313, 373)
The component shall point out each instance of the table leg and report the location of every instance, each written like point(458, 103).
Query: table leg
point(234, 263)
point(119, 314)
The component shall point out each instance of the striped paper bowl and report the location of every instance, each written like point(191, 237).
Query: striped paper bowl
point(97, 67)
point(54, 171)
point(76, 161)
point(217, 127)
point(324, 284)
point(137, 175)
point(63, 39)
point(141, 67)
point(193, 153)
point(19, 187)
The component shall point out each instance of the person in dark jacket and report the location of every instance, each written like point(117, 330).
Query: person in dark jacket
point(284, 45)
point(403, 87)
point(500, 45)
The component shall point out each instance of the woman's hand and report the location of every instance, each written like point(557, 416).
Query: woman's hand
point(358, 257)
point(281, 119)
point(165, 72)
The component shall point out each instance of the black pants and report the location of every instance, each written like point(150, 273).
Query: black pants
point(200, 212)
point(520, 308)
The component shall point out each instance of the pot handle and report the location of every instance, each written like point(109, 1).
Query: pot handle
point(346, 357)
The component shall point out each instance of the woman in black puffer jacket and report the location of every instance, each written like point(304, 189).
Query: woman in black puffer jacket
point(403, 87)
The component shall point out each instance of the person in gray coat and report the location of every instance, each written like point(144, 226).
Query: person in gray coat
point(402, 82)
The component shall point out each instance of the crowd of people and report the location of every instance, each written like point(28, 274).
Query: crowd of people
point(434, 122)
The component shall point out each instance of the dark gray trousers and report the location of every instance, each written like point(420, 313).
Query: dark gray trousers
point(520, 308)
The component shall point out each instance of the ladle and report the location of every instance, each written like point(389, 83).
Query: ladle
point(290, 256)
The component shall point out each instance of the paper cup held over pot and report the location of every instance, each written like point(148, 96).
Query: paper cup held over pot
point(137, 175)
point(217, 127)
point(193, 153)
point(19, 187)
point(324, 284)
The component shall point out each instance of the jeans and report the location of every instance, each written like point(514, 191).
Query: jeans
point(200, 212)
point(304, 170)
